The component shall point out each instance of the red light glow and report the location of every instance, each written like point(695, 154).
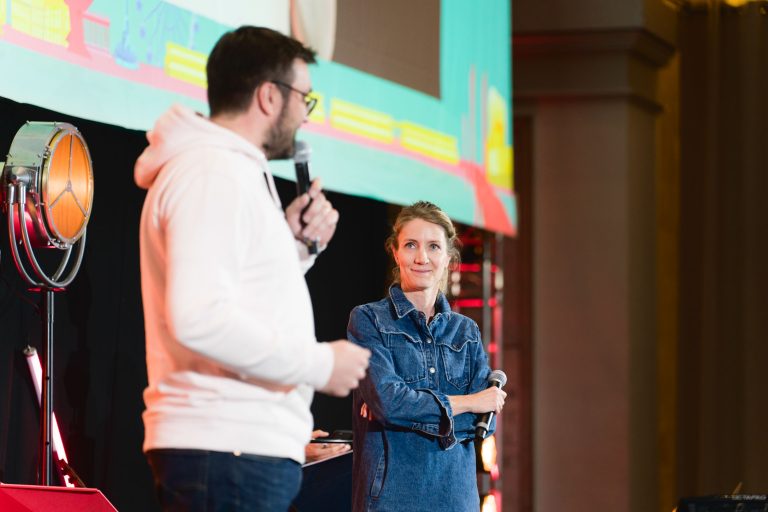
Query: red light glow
point(36, 369)
point(474, 303)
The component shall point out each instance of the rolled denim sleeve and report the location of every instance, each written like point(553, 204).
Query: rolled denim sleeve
point(391, 401)
point(464, 424)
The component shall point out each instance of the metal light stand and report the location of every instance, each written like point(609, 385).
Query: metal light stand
point(36, 181)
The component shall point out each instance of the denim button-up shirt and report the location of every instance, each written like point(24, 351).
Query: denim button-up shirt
point(411, 452)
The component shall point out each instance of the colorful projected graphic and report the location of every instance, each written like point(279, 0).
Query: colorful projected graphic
point(124, 62)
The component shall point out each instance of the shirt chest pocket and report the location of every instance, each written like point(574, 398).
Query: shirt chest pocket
point(456, 361)
point(407, 357)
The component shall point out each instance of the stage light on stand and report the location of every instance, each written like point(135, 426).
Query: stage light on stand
point(47, 190)
point(489, 503)
point(488, 456)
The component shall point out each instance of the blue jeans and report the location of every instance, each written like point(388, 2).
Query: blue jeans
point(207, 481)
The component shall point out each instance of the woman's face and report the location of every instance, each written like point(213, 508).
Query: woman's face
point(422, 255)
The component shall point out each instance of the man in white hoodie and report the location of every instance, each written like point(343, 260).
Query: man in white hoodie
point(231, 351)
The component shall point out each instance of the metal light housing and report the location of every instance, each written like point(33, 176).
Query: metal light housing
point(52, 162)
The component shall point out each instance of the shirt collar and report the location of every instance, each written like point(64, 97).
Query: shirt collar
point(403, 306)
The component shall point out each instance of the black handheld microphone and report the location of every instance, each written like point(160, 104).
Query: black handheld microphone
point(497, 378)
point(301, 162)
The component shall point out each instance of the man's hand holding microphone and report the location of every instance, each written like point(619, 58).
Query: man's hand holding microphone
point(349, 364)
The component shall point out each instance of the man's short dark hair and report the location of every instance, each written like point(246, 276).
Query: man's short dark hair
point(245, 58)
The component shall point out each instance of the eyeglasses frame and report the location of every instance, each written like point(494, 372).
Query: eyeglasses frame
point(310, 102)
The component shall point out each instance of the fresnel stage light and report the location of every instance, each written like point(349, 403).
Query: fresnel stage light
point(47, 189)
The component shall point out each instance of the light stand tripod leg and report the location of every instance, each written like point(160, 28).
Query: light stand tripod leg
point(62, 470)
point(46, 411)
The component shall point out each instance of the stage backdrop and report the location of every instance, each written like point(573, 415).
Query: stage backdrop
point(99, 358)
point(414, 96)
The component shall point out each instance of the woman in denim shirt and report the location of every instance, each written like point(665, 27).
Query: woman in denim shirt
point(414, 414)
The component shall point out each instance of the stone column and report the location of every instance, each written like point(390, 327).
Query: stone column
point(585, 73)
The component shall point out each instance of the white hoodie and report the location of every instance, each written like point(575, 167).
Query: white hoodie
point(231, 352)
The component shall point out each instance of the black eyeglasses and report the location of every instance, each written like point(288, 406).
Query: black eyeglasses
point(309, 101)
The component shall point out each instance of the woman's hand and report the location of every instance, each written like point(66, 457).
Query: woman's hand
point(490, 399)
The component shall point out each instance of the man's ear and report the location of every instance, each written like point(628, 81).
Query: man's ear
point(266, 99)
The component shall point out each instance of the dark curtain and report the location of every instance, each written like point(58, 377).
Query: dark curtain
point(723, 249)
point(99, 358)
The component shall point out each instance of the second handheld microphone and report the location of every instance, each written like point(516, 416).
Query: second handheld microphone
point(497, 378)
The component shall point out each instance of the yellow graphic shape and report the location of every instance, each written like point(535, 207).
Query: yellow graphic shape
point(42, 19)
point(185, 64)
point(431, 143)
point(2, 16)
point(498, 154)
point(362, 121)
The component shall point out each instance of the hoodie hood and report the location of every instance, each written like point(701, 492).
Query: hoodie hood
point(179, 130)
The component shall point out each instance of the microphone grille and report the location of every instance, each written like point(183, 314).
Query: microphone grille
point(498, 376)
point(301, 152)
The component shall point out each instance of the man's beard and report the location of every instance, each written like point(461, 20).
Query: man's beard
point(280, 138)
